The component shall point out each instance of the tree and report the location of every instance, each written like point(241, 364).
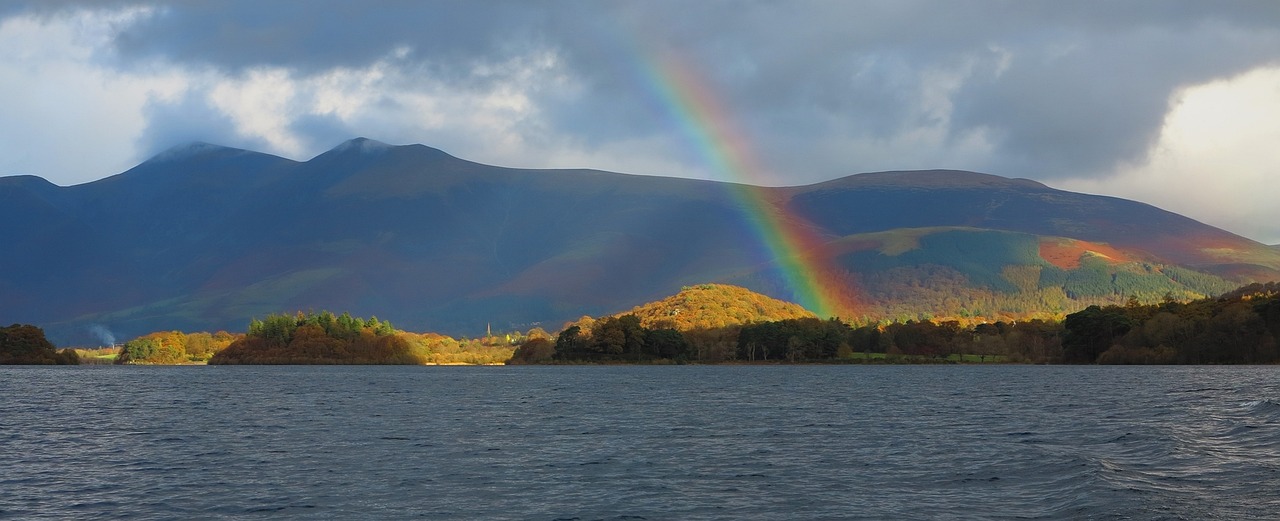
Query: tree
point(534, 351)
point(141, 349)
point(633, 336)
point(667, 343)
point(1091, 332)
point(570, 344)
point(26, 344)
point(537, 332)
point(1234, 335)
point(608, 337)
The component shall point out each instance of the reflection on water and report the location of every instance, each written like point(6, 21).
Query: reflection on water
point(693, 442)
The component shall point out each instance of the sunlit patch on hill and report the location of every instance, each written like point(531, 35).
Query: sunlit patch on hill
point(1066, 253)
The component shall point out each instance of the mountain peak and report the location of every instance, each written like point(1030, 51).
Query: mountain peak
point(361, 145)
point(189, 150)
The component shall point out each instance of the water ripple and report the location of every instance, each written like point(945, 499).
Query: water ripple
point(546, 443)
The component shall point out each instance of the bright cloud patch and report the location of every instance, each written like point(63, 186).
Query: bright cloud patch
point(1216, 159)
point(67, 117)
point(490, 116)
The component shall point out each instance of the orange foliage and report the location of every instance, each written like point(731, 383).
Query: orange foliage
point(713, 306)
point(311, 345)
point(1066, 253)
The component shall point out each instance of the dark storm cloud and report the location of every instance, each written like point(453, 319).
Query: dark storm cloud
point(1077, 101)
point(1057, 89)
point(315, 36)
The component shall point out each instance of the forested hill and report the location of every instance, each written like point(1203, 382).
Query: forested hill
point(204, 237)
point(1240, 327)
point(713, 306)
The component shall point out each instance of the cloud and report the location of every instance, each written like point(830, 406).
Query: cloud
point(1052, 91)
point(189, 118)
point(1215, 158)
point(1081, 103)
point(65, 116)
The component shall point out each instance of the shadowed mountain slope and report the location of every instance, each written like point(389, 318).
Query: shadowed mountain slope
point(203, 237)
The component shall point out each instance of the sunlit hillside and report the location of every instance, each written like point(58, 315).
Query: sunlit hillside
point(710, 306)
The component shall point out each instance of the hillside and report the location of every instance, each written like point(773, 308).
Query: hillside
point(876, 202)
point(714, 306)
point(204, 237)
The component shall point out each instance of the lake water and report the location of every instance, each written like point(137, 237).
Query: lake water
point(690, 442)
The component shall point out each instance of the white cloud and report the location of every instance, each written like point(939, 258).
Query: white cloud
point(72, 114)
point(66, 117)
point(493, 119)
point(261, 105)
point(1217, 158)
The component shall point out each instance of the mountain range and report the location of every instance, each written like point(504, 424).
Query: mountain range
point(204, 237)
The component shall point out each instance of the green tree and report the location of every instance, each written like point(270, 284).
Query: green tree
point(608, 337)
point(570, 345)
point(667, 343)
point(1091, 332)
point(26, 344)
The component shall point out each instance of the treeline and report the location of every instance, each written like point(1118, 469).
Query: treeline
point(317, 338)
point(326, 338)
point(312, 338)
point(433, 348)
point(698, 324)
point(611, 339)
point(728, 324)
point(813, 340)
point(1240, 327)
point(23, 344)
point(624, 340)
point(174, 347)
point(714, 323)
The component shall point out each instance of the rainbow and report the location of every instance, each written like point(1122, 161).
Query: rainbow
point(796, 248)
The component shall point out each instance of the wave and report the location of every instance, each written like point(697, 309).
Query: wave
point(1262, 407)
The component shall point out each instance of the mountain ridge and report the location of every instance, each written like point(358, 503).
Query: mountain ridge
point(212, 236)
point(927, 177)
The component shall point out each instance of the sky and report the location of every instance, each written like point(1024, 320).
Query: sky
point(1172, 103)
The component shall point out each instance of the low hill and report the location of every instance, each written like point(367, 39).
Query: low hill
point(202, 238)
point(699, 323)
point(714, 306)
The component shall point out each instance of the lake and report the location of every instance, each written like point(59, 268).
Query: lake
point(627, 442)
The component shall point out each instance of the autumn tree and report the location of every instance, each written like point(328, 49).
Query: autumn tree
point(318, 338)
point(534, 351)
